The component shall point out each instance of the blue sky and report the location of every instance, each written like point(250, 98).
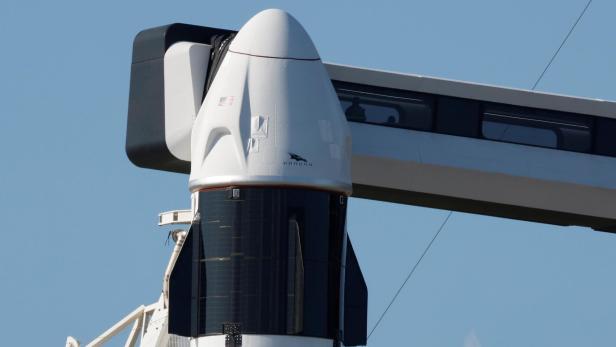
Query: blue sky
point(81, 246)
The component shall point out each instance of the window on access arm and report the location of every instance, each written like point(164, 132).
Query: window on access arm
point(537, 128)
point(384, 109)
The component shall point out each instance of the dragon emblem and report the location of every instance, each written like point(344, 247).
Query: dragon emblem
point(297, 157)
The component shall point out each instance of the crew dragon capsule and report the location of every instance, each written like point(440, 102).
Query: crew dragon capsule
point(267, 261)
point(271, 116)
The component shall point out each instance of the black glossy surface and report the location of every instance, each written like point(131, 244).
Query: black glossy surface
point(605, 137)
point(535, 127)
point(180, 290)
point(271, 262)
point(355, 301)
point(457, 116)
point(470, 118)
point(387, 107)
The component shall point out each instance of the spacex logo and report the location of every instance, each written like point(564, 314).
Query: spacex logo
point(296, 160)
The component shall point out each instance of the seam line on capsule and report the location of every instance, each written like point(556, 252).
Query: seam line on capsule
point(267, 56)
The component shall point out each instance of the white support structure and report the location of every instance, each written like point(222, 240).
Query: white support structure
point(118, 327)
point(175, 217)
point(71, 342)
point(149, 323)
point(155, 327)
point(134, 333)
point(179, 236)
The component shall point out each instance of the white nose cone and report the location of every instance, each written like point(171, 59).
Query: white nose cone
point(274, 33)
point(271, 116)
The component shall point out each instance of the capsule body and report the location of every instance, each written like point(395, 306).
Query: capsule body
point(264, 261)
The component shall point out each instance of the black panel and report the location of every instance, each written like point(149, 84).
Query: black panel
point(180, 290)
point(197, 280)
point(465, 117)
point(145, 134)
point(457, 117)
point(528, 126)
point(605, 136)
point(385, 106)
point(220, 45)
point(355, 302)
point(269, 261)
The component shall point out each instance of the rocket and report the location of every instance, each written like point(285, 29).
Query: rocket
point(254, 119)
point(265, 260)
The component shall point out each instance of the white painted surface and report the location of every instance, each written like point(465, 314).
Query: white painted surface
point(274, 33)
point(185, 69)
point(175, 217)
point(484, 170)
point(155, 333)
point(264, 341)
point(470, 90)
point(261, 112)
